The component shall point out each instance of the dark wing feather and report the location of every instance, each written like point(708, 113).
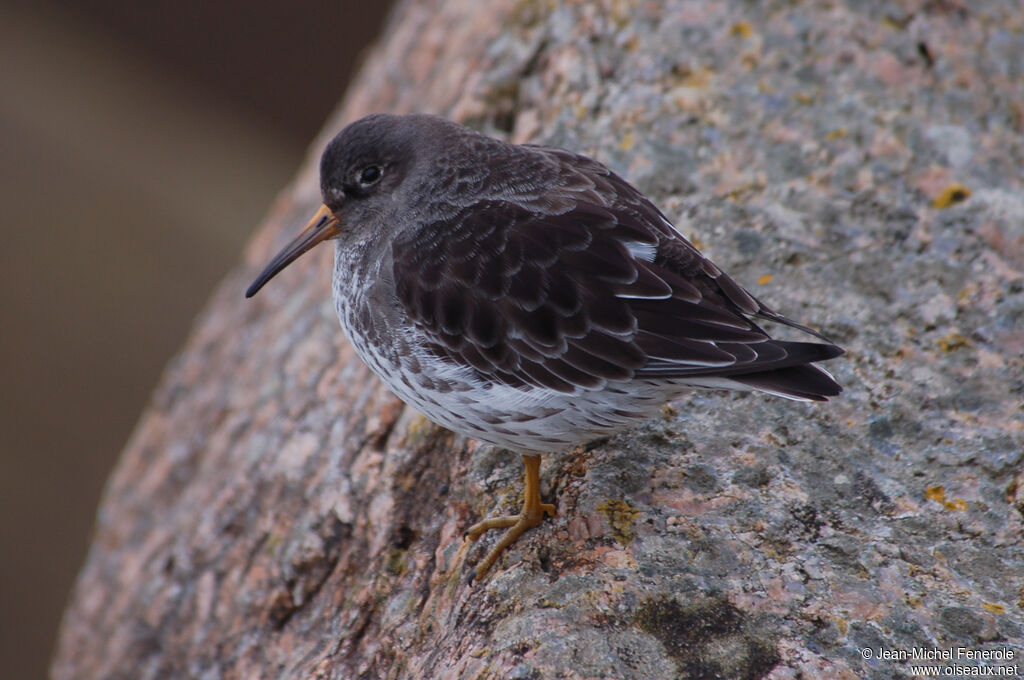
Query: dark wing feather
point(606, 290)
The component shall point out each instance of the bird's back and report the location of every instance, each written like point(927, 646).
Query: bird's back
point(539, 299)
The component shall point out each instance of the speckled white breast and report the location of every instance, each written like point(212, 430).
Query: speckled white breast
point(526, 420)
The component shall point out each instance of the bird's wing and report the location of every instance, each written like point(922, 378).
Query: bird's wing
point(594, 294)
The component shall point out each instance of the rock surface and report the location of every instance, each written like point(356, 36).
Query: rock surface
point(858, 165)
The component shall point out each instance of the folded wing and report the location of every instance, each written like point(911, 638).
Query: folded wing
point(604, 291)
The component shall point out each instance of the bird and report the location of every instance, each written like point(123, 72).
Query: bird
point(529, 297)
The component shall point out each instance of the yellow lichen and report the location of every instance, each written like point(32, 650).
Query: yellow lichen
point(741, 29)
point(952, 341)
point(621, 518)
point(896, 24)
point(395, 562)
point(531, 12)
point(938, 494)
point(764, 279)
point(951, 195)
point(843, 626)
point(698, 77)
point(956, 504)
point(420, 426)
point(994, 607)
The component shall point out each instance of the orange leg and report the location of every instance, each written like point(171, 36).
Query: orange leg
point(531, 515)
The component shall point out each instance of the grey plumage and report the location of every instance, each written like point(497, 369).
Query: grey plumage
point(529, 297)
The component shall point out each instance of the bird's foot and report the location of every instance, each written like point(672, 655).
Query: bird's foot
point(516, 525)
point(531, 515)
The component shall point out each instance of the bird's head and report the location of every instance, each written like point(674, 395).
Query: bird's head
point(362, 172)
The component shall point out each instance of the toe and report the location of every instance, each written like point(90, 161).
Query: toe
point(480, 528)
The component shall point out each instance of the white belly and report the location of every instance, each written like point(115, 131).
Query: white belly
point(525, 419)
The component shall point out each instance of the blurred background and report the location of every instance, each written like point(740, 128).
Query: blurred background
point(140, 145)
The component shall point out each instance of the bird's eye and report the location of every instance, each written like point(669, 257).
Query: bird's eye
point(370, 175)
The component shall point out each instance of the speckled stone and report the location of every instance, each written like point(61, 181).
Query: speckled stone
point(859, 165)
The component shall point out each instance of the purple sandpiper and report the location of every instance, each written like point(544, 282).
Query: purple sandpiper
point(529, 297)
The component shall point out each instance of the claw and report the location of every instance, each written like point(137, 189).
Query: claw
point(532, 514)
